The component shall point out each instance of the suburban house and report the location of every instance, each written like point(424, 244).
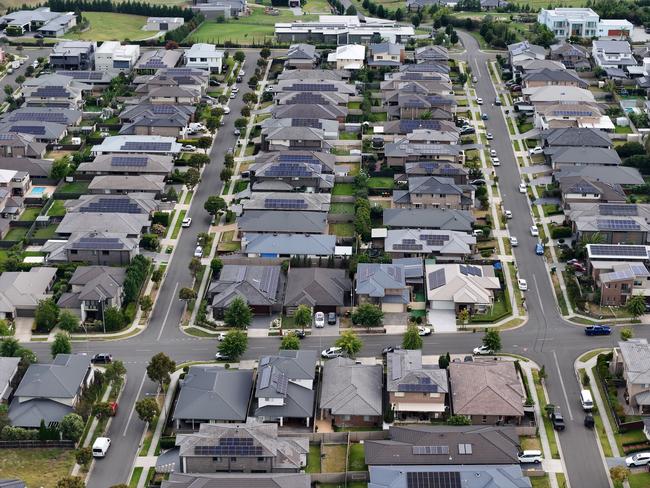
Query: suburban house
point(521, 52)
point(293, 170)
point(164, 24)
point(291, 245)
point(620, 281)
point(430, 218)
point(384, 285)
point(282, 222)
point(204, 56)
point(147, 144)
point(115, 57)
point(266, 480)
point(93, 289)
point(48, 392)
point(572, 56)
point(322, 289)
point(54, 90)
point(20, 291)
point(616, 175)
point(385, 54)
point(348, 57)
point(613, 229)
point(152, 61)
point(284, 391)
point(399, 153)
point(41, 20)
point(304, 110)
point(73, 55)
point(127, 164)
point(37, 169)
point(632, 361)
point(414, 445)
point(117, 184)
point(351, 393)
point(578, 189)
point(612, 54)
point(576, 137)
point(251, 447)
point(302, 56)
point(487, 392)
point(582, 22)
point(298, 134)
point(415, 391)
point(458, 475)
point(434, 192)
point(443, 244)
point(550, 77)
point(212, 395)
point(261, 287)
point(127, 224)
point(431, 53)
point(284, 201)
point(97, 248)
point(8, 371)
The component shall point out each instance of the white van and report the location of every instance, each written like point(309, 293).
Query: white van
point(100, 446)
point(586, 401)
point(532, 456)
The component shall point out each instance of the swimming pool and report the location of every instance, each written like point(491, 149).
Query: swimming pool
point(38, 190)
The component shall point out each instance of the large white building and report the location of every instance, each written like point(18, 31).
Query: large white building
point(582, 22)
point(204, 56)
point(113, 56)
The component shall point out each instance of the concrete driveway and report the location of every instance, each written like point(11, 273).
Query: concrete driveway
point(442, 320)
point(23, 329)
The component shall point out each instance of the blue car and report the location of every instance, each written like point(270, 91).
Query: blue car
point(484, 116)
point(594, 330)
point(539, 249)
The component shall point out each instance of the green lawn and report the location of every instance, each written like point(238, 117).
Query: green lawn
point(253, 29)
point(381, 182)
point(342, 229)
point(74, 187)
point(135, 477)
point(639, 480)
point(108, 26)
point(346, 189)
point(57, 209)
point(313, 459)
point(333, 460)
point(548, 426)
point(45, 232)
point(188, 197)
point(16, 234)
point(30, 213)
point(622, 130)
point(316, 7)
point(357, 458)
point(540, 481)
point(342, 208)
point(525, 127)
point(240, 185)
point(354, 105)
point(36, 467)
point(177, 227)
point(348, 136)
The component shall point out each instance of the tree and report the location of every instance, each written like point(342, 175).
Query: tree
point(171, 45)
point(113, 319)
point(158, 229)
point(204, 143)
point(265, 52)
point(147, 409)
point(234, 344)
point(146, 304)
point(68, 321)
point(238, 314)
point(619, 473)
point(215, 204)
point(302, 316)
point(290, 341)
point(71, 427)
point(415, 20)
point(83, 456)
point(159, 368)
point(349, 342)
point(463, 316)
point(60, 169)
point(192, 178)
point(5, 330)
point(399, 15)
point(216, 265)
point(61, 344)
point(351, 10)
point(115, 371)
point(626, 334)
point(458, 420)
point(368, 315)
point(241, 123)
point(9, 89)
point(71, 482)
point(10, 348)
point(542, 372)
point(635, 305)
point(46, 314)
point(199, 160)
point(492, 340)
point(102, 410)
point(20, 79)
point(443, 361)
point(225, 175)
point(239, 56)
point(412, 339)
point(157, 275)
point(186, 294)
point(195, 266)
point(245, 111)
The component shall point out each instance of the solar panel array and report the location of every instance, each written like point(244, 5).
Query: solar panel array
point(435, 479)
point(298, 158)
point(408, 245)
point(154, 63)
point(610, 224)
point(437, 279)
point(464, 449)
point(84, 75)
point(40, 116)
point(307, 98)
point(618, 210)
point(572, 113)
point(438, 450)
point(112, 205)
point(230, 446)
point(311, 87)
point(314, 123)
point(98, 243)
point(163, 109)
point(639, 270)
point(51, 91)
point(129, 161)
point(424, 385)
point(37, 130)
point(146, 146)
point(281, 383)
point(7, 137)
point(265, 378)
point(408, 126)
point(292, 170)
point(434, 239)
point(285, 203)
point(617, 250)
point(468, 270)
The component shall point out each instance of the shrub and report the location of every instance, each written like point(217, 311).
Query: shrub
point(160, 218)
point(130, 311)
point(561, 232)
point(167, 442)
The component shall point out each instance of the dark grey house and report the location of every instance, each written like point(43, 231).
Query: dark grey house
point(431, 218)
point(73, 55)
point(94, 289)
point(279, 222)
point(236, 480)
point(322, 289)
point(212, 395)
point(302, 56)
point(289, 171)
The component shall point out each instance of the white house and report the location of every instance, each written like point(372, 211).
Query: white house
point(350, 56)
point(612, 54)
point(582, 22)
point(113, 56)
point(204, 56)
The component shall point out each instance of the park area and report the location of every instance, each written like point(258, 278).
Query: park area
point(108, 26)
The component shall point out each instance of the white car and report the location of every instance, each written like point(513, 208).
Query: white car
point(479, 101)
point(221, 336)
point(534, 231)
point(489, 136)
point(530, 456)
point(424, 331)
point(535, 150)
point(496, 162)
point(235, 89)
point(522, 187)
point(482, 351)
point(332, 352)
point(319, 320)
point(198, 252)
point(638, 459)
point(493, 153)
point(513, 241)
point(508, 214)
point(523, 284)
point(186, 222)
point(188, 148)
point(233, 95)
point(226, 110)
point(221, 357)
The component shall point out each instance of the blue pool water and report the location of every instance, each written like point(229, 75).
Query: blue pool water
point(38, 190)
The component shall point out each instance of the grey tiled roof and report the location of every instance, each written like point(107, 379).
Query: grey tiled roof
point(404, 366)
point(317, 287)
point(636, 355)
point(430, 218)
point(60, 379)
point(374, 278)
point(258, 285)
point(285, 222)
point(476, 476)
point(574, 136)
point(237, 480)
point(351, 389)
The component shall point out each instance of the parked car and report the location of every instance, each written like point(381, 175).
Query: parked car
point(219, 356)
point(424, 331)
point(489, 136)
point(530, 456)
point(479, 101)
point(474, 79)
point(477, 182)
point(539, 249)
point(536, 150)
point(496, 162)
point(484, 117)
point(198, 252)
point(589, 421)
point(331, 318)
point(113, 406)
point(638, 459)
point(467, 130)
point(332, 352)
point(100, 446)
point(388, 349)
point(237, 132)
point(319, 320)
point(233, 95)
point(482, 351)
point(102, 358)
point(235, 89)
point(523, 188)
point(513, 241)
point(186, 222)
point(497, 101)
point(508, 214)
point(493, 153)
point(300, 333)
point(522, 284)
point(596, 330)
point(188, 148)
point(557, 419)
point(534, 231)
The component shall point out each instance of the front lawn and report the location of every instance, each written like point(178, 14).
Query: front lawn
point(179, 222)
point(639, 480)
point(36, 467)
point(343, 189)
point(381, 183)
point(109, 26)
point(548, 426)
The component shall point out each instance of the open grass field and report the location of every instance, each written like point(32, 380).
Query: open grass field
point(316, 7)
point(246, 30)
point(5, 4)
point(106, 26)
point(28, 465)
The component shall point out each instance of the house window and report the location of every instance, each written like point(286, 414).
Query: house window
point(345, 417)
point(366, 418)
point(260, 459)
point(484, 419)
point(105, 253)
point(233, 459)
point(74, 251)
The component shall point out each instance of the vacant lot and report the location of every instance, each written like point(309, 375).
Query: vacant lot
point(36, 467)
point(105, 26)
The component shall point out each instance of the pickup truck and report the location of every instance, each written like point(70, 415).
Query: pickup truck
point(594, 330)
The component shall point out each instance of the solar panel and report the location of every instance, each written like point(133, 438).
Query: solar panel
point(163, 109)
point(146, 146)
point(617, 250)
point(228, 450)
point(407, 126)
point(281, 203)
point(82, 75)
point(281, 383)
point(314, 123)
point(468, 270)
point(437, 450)
point(433, 479)
point(41, 116)
point(618, 210)
point(408, 247)
point(311, 87)
point(293, 169)
point(51, 91)
point(610, 224)
point(265, 380)
point(97, 243)
point(464, 449)
point(418, 388)
point(129, 161)
point(28, 129)
point(112, 205)
point(7, 137)
point(437, 279)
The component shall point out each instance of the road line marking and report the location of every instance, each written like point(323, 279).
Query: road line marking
point(566, 397)
point(169, 307)
point(128, 421)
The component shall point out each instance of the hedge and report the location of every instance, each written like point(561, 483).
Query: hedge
point(561, 232)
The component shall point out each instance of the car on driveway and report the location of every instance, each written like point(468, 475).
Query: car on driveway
point(198, 252)
point(536, 150)
point(522, 284)
point(388, 349)
point(530, 456)
point(102, 358)
point(332, 352)
point(188, 148)
point(482, 351)
point(638, 459)
point(513, 241)
point(186, 222)
point(319, 320)
point(534, 231)
point(424, 331)
point(594, 330)
point(331, 318)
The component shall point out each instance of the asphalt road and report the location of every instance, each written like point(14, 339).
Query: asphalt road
point(546, 338)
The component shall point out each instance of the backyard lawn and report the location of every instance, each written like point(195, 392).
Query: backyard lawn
point(342, 230)
point(47, 232)
point(313, 459)
point(36, 467)
point(343, 189)
point(16, 234)
point(357, 458)
point(381, 182)
point(57, 209)
point(342, 208)
point(316, 7)
point(74, 187)
point(30, 213)
point(333, 460)
point(108, 26)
